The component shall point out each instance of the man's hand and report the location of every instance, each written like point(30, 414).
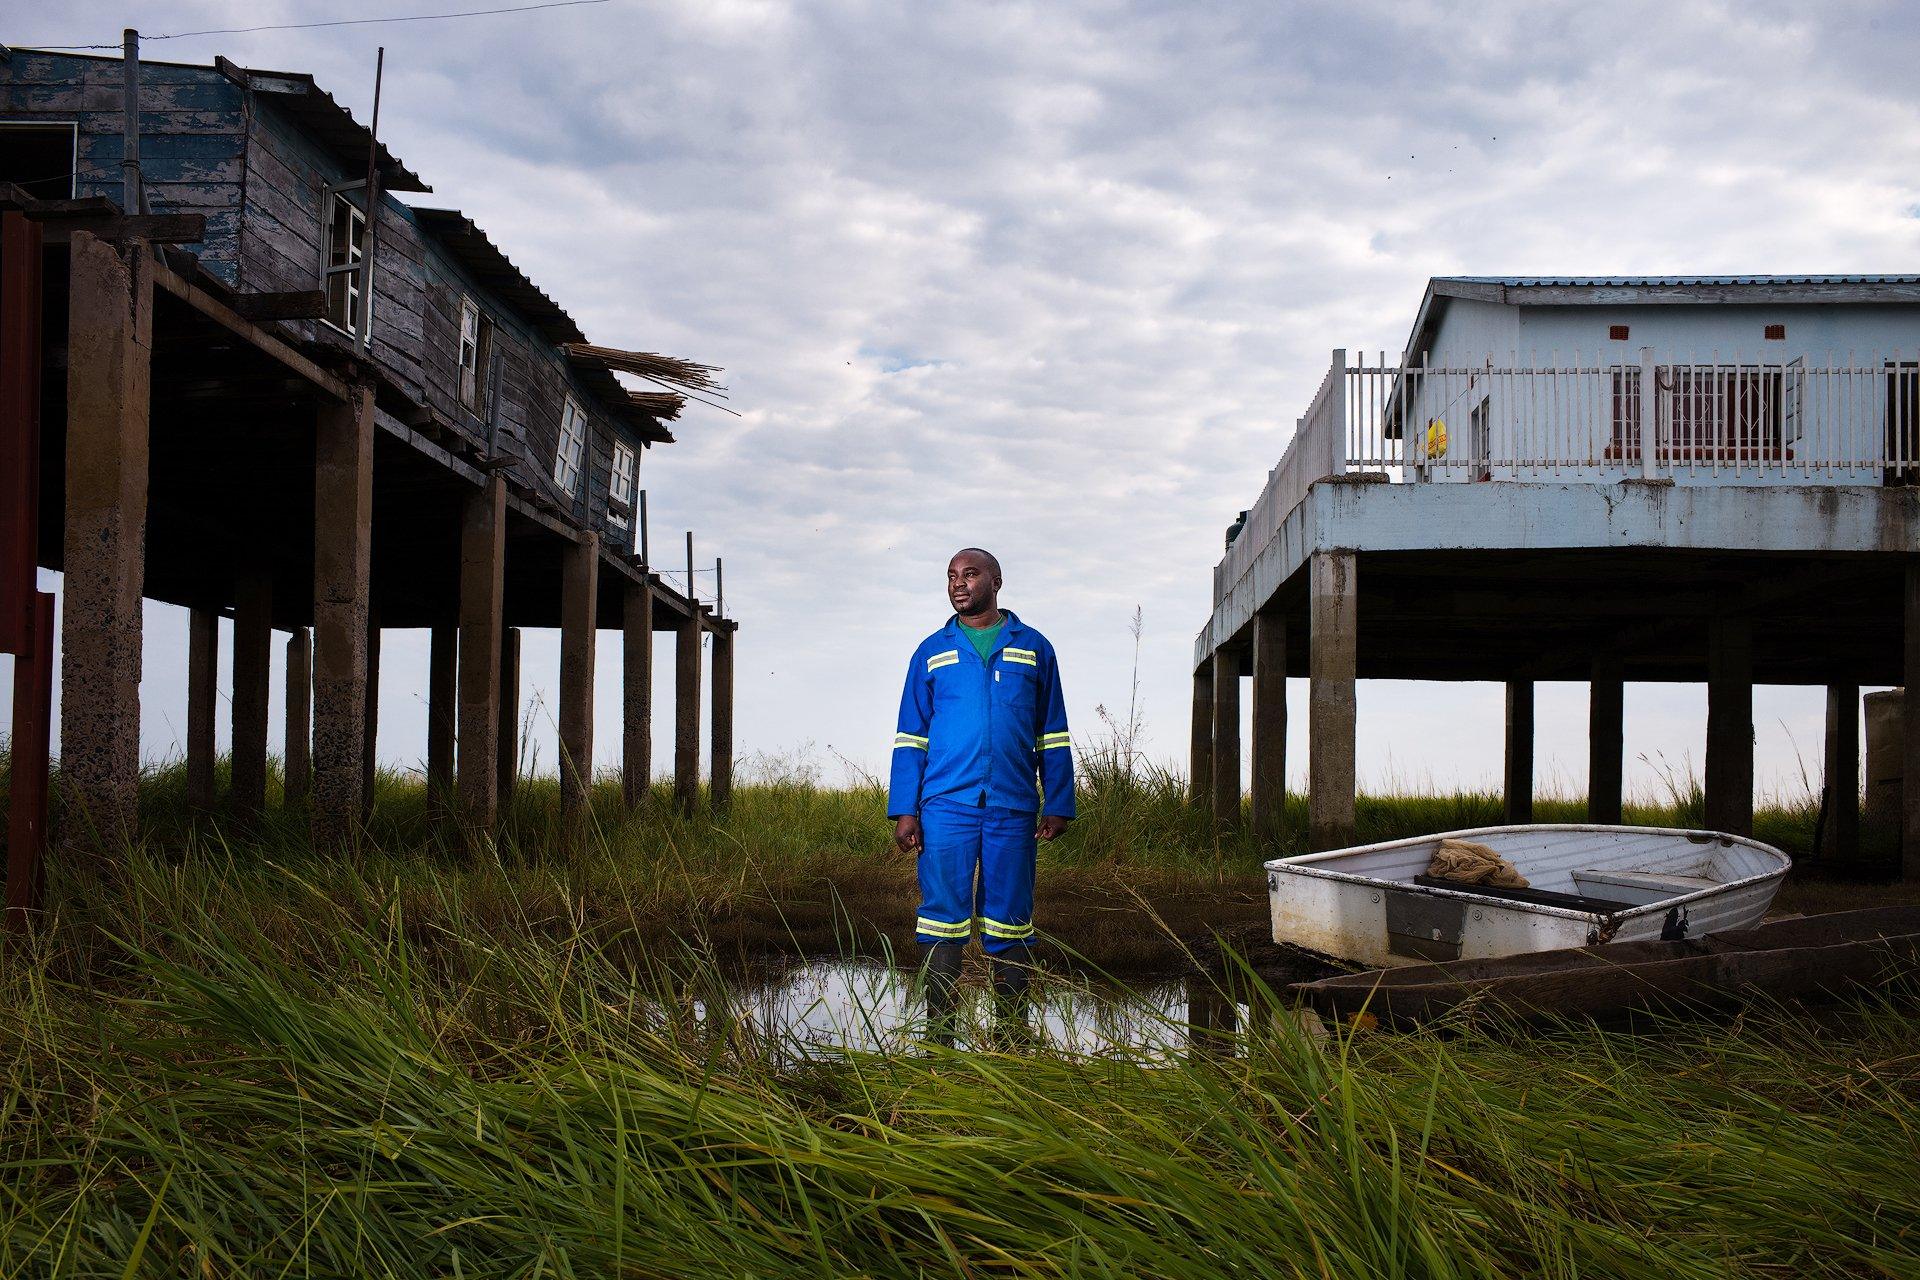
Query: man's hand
point(1051, 827)
point(906, 833)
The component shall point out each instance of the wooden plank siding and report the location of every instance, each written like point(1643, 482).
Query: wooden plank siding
point(192, 122)
point(238, 156)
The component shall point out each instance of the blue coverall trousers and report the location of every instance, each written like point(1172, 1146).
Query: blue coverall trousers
point(958, 841)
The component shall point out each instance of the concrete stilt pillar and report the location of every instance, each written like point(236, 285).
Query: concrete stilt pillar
point(686, 715)
point(1226, 741)
point(252, 678)
point(507, 760)
point(1910, 732)
point(370, 724)
point(343, 539)
point(480, 745)
point(443, 693)
point(299, 750)
point(579, 596)
point(1606, 742)
point(1269, 726)
point(720, 733)
point(1519, 774)
point(109, 349)
point(1332, 720)
point(1729, 782)
point(1200, 766)
point(203, 671)
point(1886, 746)
point(636, 694)
point(1840, 841)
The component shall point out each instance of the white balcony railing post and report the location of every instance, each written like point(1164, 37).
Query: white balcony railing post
point(1337, 413)
point(1649, 415)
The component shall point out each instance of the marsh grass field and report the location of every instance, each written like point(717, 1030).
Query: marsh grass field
point(227, 1056)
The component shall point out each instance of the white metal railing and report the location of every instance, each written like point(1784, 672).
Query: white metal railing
point(1738, 422)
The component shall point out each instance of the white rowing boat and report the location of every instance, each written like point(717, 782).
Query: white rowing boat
point(1376, 905)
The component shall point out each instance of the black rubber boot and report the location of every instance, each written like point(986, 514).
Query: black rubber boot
point(940, 971)
point(1012, 976)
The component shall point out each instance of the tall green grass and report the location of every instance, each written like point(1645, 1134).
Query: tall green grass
point(366, 1104)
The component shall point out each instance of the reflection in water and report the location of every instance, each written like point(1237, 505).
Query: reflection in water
point(824, 1007)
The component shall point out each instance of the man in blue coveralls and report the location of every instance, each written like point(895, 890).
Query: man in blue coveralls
point(980, 717)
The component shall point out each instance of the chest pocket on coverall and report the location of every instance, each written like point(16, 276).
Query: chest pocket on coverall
point(1013, 686)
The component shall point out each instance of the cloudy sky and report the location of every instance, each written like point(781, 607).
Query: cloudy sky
point(1058, 278)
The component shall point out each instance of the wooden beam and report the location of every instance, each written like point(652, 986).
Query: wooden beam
point(342, 534)
point(720, 744)
point(579, 600)
point(32, 733)
point(238, 325)
point(507, 751)
point(298, 782)
point(443, 691)
point(483, 566)
point(686, 716)
point(636, 694)
point(299, 304)
point(153, 228)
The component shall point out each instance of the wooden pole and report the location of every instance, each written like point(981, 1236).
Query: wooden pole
point(110, 340)
point(1269, 726)
point(443, 715)
point(32, 733)
point(133, 196)
point(203, 670)
point(686, 713)
point(299, 752)
point(252, 686)
point(1200, 758)
point(1606, 742)
point(1729, 782)
point(1226, 741)
point(479, 743)
point(1842, 780)
point(1519, 773)
point(370, 725)
point(507, 758)
point(579, 595)
point(636, 694)
point(342, 534)
point(1910, 732)
point(720, 744)
point(1332, 719)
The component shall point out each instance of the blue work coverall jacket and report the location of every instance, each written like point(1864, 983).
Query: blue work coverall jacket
point(978, 733)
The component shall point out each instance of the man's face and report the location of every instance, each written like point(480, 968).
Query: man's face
point(972, 587)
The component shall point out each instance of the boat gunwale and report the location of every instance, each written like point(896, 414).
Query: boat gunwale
point(1296, 865)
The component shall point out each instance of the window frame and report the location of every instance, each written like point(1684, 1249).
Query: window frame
point(72, 128)
point(1730, 413)
point(473, 385)
point(619, 504)
point(348, 268)
point(568, 470)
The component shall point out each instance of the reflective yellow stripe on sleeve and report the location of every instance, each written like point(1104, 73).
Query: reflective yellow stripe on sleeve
point(941, 928)
point(909, 740)
point(1049, 741)
point(999, 929)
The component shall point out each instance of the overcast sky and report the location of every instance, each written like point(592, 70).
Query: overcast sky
point(1058, 278)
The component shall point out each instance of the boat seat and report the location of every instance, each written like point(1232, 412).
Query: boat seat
point(1538, 897)
point(1673, 885)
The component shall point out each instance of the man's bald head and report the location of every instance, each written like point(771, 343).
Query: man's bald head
point(973, 583)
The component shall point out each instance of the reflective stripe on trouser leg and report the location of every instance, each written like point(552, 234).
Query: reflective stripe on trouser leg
point(950, 849)
point(1007, 850)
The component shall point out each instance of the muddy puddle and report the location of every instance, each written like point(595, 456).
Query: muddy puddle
point(820, 1009)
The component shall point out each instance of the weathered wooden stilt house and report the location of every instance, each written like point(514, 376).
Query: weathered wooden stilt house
point(239, 417)
point(1661, 479)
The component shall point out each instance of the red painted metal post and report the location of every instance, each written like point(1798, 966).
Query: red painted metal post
point(19, 427)
point(32, 731)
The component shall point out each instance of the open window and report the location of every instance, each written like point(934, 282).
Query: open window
point(476, 357)
point(346, 243)
point(40, 157)
point(573, 445)
point(620, 489)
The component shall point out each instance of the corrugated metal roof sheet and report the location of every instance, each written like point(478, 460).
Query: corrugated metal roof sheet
point(1628, 282)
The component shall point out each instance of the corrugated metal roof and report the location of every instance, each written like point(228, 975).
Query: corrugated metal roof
point(1629, 282)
